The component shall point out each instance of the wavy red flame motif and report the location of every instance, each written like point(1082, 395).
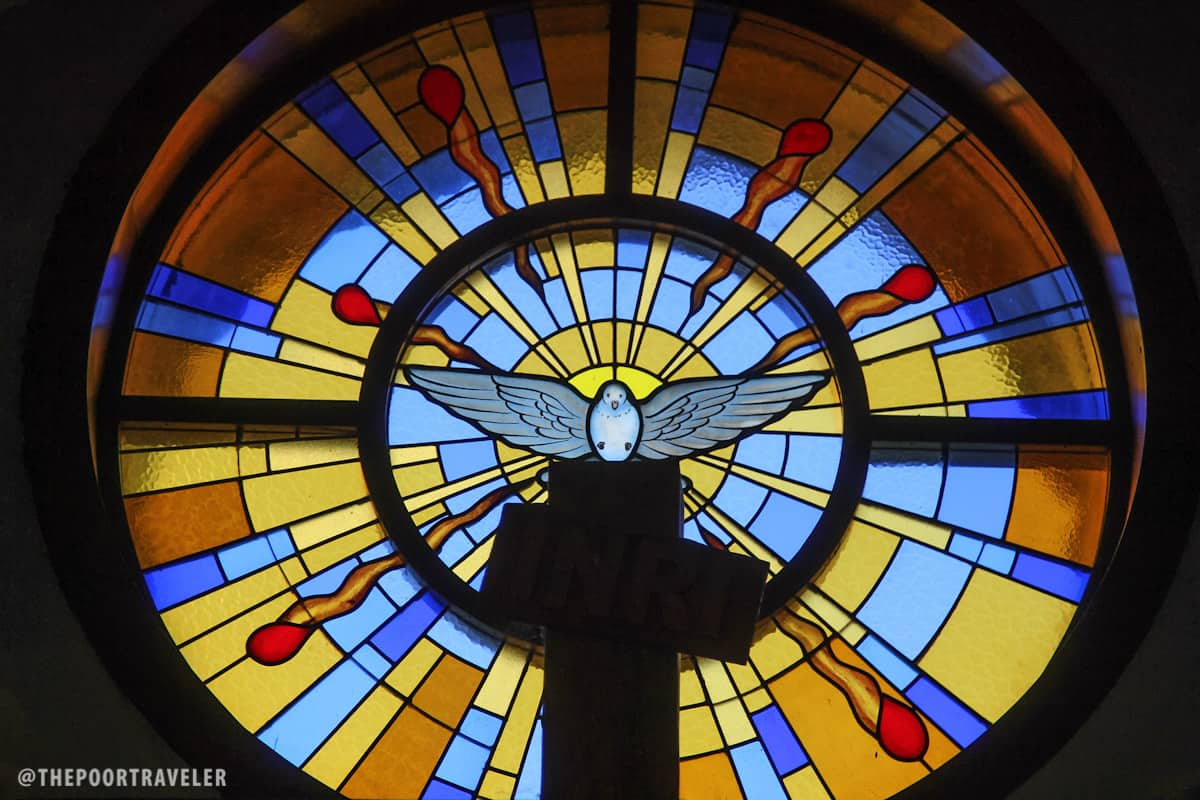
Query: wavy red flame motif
point(352, 304)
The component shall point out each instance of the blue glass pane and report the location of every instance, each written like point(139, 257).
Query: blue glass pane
point(892, 667)
point(529, 782)
point(693, 78)
point(400, 585)
point(689, 109)
point(454, 317)
point(517, 39)
point(467, 212)
point(1024, 327)
point(344, 253)
point(440, 177)
point(390, 274)
point(246, 557)
point(914, 597)
point(785, 751)
point(296, 733)
point(543, 140)
point(381, 164)
point(401, 188)
point(338, 117)
point(533, 101)
point(249, 340)
point(671, 304)
point(907, 478)
point(997, 558)
point(762, 451)
point(739, 346)
point(185, 289)
point(327, 581)
point(979, 486)
point(629, 285)
point(1050, 290)
point(966, 547)
point(465, 641)
point(412, 419)
point(598, 292)
point(503, 273)
point(947, 713)
point(781, 317)
point(904, 126)
point(707, 40)
point(784, 524)
point(813, 460)
point(1063, 580)
point(490, 142)
point(967, 56)
point(350, 630)
point(463, 763)
point(179, 322)
point(633, 248)
point(437, 790)
point(466, 458)
point(754, 769)
point(482, 726)
point(369, 659)
point(497, 342)
point(716, 181)
point(1077, 405)
point(740, 499)
point(183, 580)
point(398, 636)
point(966, 316)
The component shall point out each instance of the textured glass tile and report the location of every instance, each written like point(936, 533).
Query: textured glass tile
point(350, 630)
point(344, 253)
point(1059, 579)
point(905, 478)
point(785, 524)
point(298, 732)
point(754, 768)
point(463, 764)
point(398, 636)
point(780, 740)
point(949, 715)
point(183, 580)
point(891, 666)
point(1075, 405)
point(466, 641)
point(978, 489)
point(333, 111)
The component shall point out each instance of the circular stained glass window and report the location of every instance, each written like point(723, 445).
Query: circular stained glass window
point(396, 298)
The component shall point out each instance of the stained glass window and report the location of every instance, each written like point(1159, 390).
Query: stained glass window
point(933, 513)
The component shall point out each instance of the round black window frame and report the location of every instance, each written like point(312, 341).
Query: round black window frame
point(88, 537)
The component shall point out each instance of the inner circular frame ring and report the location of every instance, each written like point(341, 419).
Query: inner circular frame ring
point(501, 234)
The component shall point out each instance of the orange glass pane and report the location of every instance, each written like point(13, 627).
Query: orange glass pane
point(1058, 507)
point(708, 777)
point(448, 690)
point(575, 49)
point(170, 525)
point(759, 53)
point(233, 235)
point(401, 763)
point(162, 366)
point(998, 238)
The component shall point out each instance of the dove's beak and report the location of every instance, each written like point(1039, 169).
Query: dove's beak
point(614, 405)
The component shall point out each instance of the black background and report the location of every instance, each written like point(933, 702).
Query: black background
point(65, 66)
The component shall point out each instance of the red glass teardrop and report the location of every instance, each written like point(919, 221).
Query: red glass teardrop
point(912, 283)
point(276, 642)
point(711, 540)
point(353, 305)
point(901, 731)
point(806, 137)
point(442, 93)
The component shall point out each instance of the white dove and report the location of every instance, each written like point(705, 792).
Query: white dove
point(678, 419)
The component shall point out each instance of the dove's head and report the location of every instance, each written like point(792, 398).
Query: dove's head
point(614, 394)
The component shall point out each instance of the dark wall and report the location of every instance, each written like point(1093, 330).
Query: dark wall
point(66, 64)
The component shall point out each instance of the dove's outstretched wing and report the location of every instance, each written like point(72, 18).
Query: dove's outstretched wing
point(541, 415)
point(692, 416)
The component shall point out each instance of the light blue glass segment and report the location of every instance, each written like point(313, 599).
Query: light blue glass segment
point(381, 164)
point(907, 478)
point(344, 253)
point(914, 597)
point(966, 547)
point(739, 345)
point(533, 101)
point(813, 460)
point(1023, 327)
point(529, 782)
point(1039, 293)
point(997, 558)
point(979, 488)
point(249, 340)
point(784, 524)
point(390, 274)
point(754, 769)
point(466, 212)
point(440, 177)
point(466, 458)
point(482, 726)
point(543, 140)
point(598, 296)
point(904, 125)
point(184, 324)
point(716, 181)
point(369, 659)
point(895, 669)
point(246, 557)
point(297, 732)
point(463, 762)
point(466, 641)
point(413, 419)
point(763, 451)
point(328, 580)
point(740, 499)
point(351, 630)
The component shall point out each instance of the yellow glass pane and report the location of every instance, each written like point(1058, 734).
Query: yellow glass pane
point(254, 693)
point(996, 642)
point(916, 528)
point(554, 178)
point(149, 471)
point(852, 571)
point(497, 786)
point(514, 736)
point(308, 355)
point(306, 312)
point(170, 525)
point(293, 130)
point(222, 646)
point(334, 760)
point(330, 553)
point(501, 682)
point(698, 732)
point(429, 220)
point(690, 690)
point(674, 164)
point(161, 366)
point(734, 722)
point(863, 102)
point(651, 119)
point(403, 231)
point(1060, 360)
point(274, 500)
point(910, 379)
point(740, 135)
point(524, 167)
point(310, 452)
point(804, 784)
point(914, 333)
point(716, 681)
point(480, 50)
point(1059, 502)
point(413, 667)
point(772, 651)
point(249, 376)
point(317, 529)
point(134, 436)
